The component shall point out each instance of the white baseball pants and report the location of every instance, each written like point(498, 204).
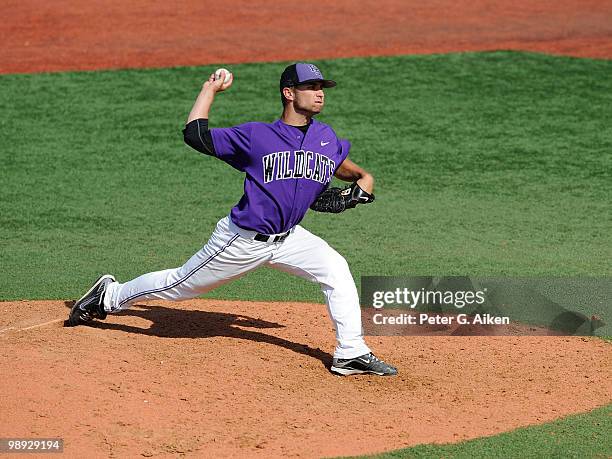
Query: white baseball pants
point(232, 252)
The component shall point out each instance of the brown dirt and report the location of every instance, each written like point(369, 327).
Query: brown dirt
point(229, 378)
point(41, 36)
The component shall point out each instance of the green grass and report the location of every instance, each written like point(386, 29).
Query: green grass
point(582, 436)
point(486, 164)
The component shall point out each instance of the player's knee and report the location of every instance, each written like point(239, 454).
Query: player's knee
point(341, 266)
point(339, 272)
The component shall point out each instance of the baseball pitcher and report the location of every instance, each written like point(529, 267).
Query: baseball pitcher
point(288, 165)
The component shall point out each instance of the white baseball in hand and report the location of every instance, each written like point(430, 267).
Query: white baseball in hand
point(228, 75)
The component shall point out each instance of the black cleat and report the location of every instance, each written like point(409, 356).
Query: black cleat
point(367, 363)
point(90, 306)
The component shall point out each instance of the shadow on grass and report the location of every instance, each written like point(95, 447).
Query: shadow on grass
point(181, 323)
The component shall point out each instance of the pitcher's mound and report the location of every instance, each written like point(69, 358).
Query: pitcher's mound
point(230, 378)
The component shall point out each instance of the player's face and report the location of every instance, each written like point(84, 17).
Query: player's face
point(309, 97)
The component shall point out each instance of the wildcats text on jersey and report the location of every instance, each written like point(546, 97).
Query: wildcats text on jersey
point(283, 165)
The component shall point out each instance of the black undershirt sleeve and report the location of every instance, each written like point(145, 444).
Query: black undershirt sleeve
point(197, 135)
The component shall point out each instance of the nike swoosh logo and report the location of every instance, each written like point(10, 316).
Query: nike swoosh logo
point(324, 143)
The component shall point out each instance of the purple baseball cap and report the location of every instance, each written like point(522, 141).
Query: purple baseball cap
point(301, 73)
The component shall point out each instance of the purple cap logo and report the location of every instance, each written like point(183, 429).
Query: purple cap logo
point(308, 72)
point(315, 71)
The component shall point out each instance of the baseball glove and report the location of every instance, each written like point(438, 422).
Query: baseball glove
point(336, 200)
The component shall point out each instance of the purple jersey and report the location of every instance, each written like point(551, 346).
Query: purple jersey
point(285, 170)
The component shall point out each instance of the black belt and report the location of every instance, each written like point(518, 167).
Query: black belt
point(276, 238)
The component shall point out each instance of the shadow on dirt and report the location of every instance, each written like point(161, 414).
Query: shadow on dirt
point(181, 323)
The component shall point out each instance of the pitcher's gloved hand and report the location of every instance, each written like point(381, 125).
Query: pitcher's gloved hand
point(336, 200)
